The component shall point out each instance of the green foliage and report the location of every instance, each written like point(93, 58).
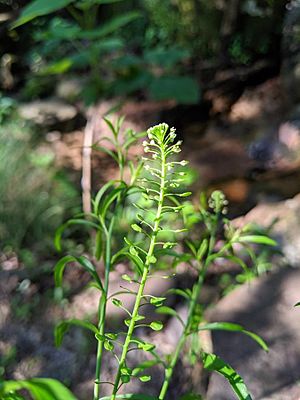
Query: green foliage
point(7, 107)
point(153, 236)
point(212, 362)
point(163, 212)
point(79, 42)
point(39, 388)
point(34, 194)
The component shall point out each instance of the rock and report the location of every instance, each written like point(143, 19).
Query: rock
point(265, 306)
point(69, 89)
point(52, 114)
point(265, 100)
point(217, 155)
point(285, 218)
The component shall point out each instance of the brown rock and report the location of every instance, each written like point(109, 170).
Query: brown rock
point(284, 217)
point(265, 307)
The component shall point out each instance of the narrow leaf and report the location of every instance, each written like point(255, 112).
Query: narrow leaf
point(259, 239)
point(64, 326)
point(84, 262)
point(211, 362)
point(228, 326)
point(41, 389)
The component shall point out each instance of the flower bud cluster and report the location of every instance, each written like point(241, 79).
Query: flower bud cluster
point(218, 202)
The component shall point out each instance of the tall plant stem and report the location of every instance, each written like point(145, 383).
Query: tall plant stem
point(182, 340)
point(187, 329)
point(140, 293)
point(102, 311)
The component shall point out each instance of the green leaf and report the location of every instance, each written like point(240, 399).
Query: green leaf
point(101, 193)
point(167, 311)
point(126, 278)
point(111, 336)
point(181, 293)
point(228, 326)
point(133, 251)
point(145, 378)
point(136, 228)
point(58, 67)
point(259, 239)
point(117, 302)
point(202, 249)
point(184, 90)
point(64, 326)
point(38, 8)
point(157, 301)
point(145, 365)
point(107, 151)
point(151, 260)
point(108, 345)
point(211, 362)
point(84, 262)
point(109, 27)
point(156, 325)
point(98, 245)
point(297, 304)
point(131, 397)
point(125, 378)
point(73, 221)
point(166, 58)
point(137, 261)
point(41, 389)
point(110, 198)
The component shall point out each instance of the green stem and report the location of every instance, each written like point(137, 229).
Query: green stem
point(182, 340)
point(187, 329)
point(102, 311)
point(140, 293)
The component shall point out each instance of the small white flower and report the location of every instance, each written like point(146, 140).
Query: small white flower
point(176, 149)
point(183, 163)
point(146, 149)
point(145, 143)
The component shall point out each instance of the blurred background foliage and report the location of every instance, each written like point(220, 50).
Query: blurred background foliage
point(149, 48)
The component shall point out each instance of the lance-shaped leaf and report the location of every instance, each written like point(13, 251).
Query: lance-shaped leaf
point(211, 362)
point(101, 193)
point(258, 239)
point(63, 227)
point(83, 261)
point(64, 326)
point(145, 365)
point(108, 28)
point(180, 292)
point(38, 8)
point(110, 198)
point(169, 311)
point(41, 389)
point(228, 326)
